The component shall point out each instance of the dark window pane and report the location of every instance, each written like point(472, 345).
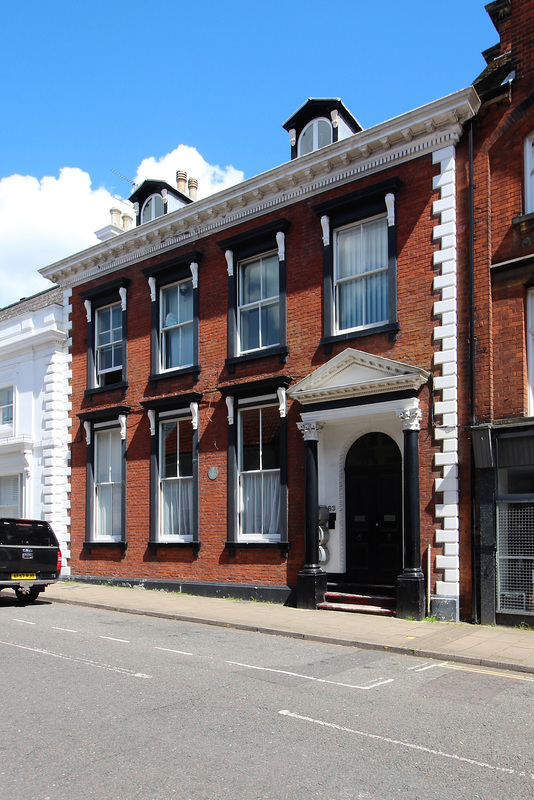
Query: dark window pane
point(250, 439)
point(270, 437)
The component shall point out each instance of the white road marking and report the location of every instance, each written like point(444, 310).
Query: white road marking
point(481, 671)
point(430, 666)
point(112, 639)
point(25, 621)
point(67, 630)
point(168, 650)
point(409, 745)
point(379, 682)
point(78, 660)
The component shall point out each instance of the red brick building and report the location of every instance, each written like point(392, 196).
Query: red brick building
point(498, 252)
point(277, 390)
point(280, 353)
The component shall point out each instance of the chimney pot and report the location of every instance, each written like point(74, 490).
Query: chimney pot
point(181, 181)
point(115, 217)
point(127, 221)
point(193, 186)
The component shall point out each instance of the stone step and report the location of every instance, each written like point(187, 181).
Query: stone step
point(386, 601)
point(357, 608)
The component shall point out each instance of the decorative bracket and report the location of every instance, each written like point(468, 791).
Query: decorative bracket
point(87, 427)
point(88, 307)
point(152, 287)
point(194, 415)
point(390, 206)
point(122, 422)
point(229, 262)
point(281, 243)
point(230, 407)
point(122, 293)
point(325, 225)
point(282, 399)
point(152, 419)
point(193, 266)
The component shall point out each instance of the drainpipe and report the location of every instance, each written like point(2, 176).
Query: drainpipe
point(472, 412)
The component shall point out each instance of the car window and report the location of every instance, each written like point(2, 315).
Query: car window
point(26, 534)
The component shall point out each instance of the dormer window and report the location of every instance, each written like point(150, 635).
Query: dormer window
point(319, 122)
point(315, 135)
point(152, 208)
point(154, 198)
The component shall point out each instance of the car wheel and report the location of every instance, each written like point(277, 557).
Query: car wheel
point(27, 597)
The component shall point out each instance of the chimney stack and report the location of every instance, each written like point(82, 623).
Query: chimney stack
point(193, 186)
point(115, 217)
point(127, 222)
point(181, 181)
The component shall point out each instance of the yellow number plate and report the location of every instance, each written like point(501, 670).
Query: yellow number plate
point(23, 576)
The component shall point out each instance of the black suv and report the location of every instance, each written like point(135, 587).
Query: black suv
point(30, 558)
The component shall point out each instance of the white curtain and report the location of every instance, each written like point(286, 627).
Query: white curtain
point(108, 511)
point(260, 503)
point(271, 503)
point(108, 472)
point(362, 299)
point(177, 507)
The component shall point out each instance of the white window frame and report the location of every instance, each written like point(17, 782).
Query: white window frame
point(314, 124)
point(255, 536)
point(363, 277)
point(263, 302)
point(529, 174)
point(6, 428)
point(180, 419)
point(179, 325)
point(100, 348)
point(150, 203)
point(113, 481)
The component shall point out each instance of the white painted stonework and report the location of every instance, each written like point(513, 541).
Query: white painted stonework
point(446, 382)
point(34, 448)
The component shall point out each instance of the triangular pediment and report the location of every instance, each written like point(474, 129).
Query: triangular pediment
point(354, 373)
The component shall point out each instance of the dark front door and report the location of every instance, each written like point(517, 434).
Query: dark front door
point(373, 491)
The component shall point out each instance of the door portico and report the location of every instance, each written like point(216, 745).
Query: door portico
point(355, 398)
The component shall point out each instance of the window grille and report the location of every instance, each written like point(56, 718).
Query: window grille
point(515, 557)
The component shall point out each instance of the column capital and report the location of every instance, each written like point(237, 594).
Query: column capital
point(310, 430)
point(411, 419)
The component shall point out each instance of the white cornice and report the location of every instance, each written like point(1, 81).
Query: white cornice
point(30, 340)
point(16, 444)
point(395, 141)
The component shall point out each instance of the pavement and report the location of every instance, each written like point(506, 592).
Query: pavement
point(494, 647)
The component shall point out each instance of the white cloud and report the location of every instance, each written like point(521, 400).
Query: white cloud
point(43, 221)
point(211, 178)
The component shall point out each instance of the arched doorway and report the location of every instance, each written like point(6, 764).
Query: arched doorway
point(373, 492)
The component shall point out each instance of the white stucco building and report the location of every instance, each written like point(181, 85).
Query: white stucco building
point(34, 408)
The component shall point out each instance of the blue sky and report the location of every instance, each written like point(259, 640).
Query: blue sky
point(90, 87)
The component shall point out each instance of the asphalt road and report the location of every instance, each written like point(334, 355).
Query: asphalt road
point(99, 705)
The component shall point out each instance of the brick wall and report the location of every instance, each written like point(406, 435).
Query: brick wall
point(304, 258)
